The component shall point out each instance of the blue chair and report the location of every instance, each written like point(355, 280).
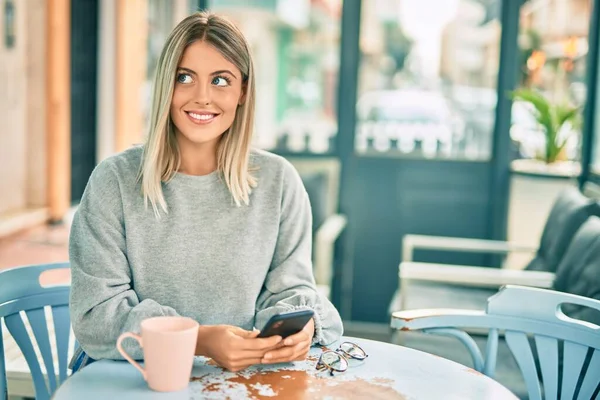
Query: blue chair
point(21, 291)
point(520, 313)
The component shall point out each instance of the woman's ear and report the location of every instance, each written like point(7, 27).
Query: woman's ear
point(242, 99)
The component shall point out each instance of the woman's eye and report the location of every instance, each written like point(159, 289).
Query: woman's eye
point(220, 81)
point(184, 78)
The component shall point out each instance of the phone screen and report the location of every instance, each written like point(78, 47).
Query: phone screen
point(286, 324)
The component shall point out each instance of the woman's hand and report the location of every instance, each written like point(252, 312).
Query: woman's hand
point(293, 348)
point(233, 348)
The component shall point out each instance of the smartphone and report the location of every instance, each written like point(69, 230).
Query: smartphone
point(286, 324)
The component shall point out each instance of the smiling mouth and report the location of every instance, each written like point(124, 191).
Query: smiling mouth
point(201, 118)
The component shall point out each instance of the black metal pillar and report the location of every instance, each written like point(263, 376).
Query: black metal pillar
point(501, 151)
point(590, 118)
point(346, 115)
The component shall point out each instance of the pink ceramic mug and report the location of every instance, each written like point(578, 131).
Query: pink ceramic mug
point(169, 344)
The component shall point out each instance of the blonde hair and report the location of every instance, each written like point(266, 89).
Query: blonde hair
point(161, 158)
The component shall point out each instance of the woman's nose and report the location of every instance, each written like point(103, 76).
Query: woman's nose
point(203, 94)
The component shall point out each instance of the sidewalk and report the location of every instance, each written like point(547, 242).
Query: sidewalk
point(43, 244)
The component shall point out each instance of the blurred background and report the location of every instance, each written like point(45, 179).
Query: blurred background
point(399, 114)
point(453, 118)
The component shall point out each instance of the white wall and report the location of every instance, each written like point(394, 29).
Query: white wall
point(36, 104)
point(531, 199)
point(13, 128)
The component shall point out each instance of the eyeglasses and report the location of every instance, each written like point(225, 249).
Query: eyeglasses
point(337, 361)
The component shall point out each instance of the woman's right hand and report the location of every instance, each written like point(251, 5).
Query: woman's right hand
point(233, 348)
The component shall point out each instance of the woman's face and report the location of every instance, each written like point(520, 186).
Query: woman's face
point(208, 90)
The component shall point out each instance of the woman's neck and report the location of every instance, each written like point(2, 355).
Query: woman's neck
point(198, 159)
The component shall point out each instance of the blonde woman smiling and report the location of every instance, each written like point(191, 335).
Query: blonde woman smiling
point(195, 222)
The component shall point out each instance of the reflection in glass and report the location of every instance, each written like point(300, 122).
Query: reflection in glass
point(553, 42)
point(427, 79)
point(160, 23)
point(295, 44)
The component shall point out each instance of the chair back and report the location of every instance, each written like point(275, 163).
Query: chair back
point(537, 332)
point(570, 210)
point(321, 181)
point(579, 271)
point(27, 294)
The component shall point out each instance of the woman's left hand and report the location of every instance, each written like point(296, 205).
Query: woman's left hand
point(293, 348)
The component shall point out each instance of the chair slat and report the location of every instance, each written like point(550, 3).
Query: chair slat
point(521, 349)
point(491, 353)
point(39, 326)
point(62, 322)
point(17, 329)
point(573, 358)
point(591, 379)
point(547, 349)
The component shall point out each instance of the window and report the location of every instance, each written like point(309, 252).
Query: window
point(553, 41)
point(295, 44)
point(161, 20)
point(427, 78)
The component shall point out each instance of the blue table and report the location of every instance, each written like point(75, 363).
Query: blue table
point(390, 372)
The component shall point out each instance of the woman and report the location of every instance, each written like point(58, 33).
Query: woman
point(194, 223)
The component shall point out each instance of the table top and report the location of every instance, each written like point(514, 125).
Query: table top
point(390, 372)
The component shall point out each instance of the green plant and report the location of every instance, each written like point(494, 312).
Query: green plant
point(551, 118)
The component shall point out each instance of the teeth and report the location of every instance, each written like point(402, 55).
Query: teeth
point(203, 117)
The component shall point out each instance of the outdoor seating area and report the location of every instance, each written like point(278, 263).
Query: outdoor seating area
point(564, 262)
point(307, 199)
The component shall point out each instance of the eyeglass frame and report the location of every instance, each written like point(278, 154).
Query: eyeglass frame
point(343, 354)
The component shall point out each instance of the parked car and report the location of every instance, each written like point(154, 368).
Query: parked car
point(407, 117)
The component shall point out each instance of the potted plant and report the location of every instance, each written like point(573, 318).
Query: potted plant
point(557, 122)
point(535, 182)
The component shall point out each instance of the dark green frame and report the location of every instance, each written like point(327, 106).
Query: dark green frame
point(590, 115)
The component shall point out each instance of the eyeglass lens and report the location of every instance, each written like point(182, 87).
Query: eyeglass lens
point(353, 350)
point(334, 361)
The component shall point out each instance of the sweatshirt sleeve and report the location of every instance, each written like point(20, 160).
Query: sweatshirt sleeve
point(290, 284)
point(103, 303)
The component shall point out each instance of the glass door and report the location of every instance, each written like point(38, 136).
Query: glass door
point(424, 137)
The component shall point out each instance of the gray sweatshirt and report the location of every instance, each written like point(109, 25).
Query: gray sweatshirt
point(206, 259)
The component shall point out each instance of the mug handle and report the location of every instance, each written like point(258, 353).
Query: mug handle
point(126, 356)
